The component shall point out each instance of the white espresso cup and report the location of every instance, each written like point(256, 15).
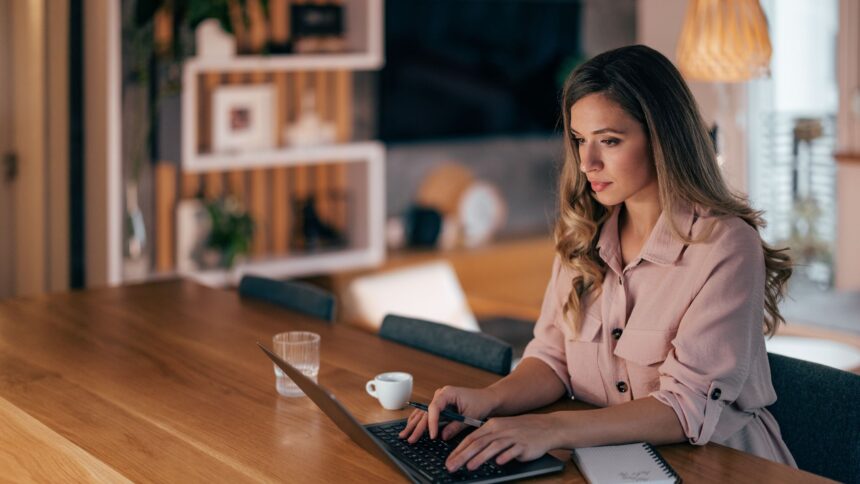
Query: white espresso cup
point(392, 389)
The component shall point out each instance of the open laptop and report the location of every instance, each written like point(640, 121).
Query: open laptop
point(420, 462)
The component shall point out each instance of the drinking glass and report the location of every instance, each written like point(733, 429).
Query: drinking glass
point(300, 349)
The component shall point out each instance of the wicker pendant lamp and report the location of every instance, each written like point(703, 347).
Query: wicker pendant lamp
point(724, 41)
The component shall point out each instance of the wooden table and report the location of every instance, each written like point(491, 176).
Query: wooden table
point(163, 382)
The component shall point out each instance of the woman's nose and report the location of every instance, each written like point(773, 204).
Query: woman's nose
point(589, 159)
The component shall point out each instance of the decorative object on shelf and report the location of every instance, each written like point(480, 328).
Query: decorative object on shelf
point(192, 229)
point(243, 118)
point(317, 27)
point(231, 230)
point(724, 41)
point(310, 129)
point(136, 262)
point(315, 232)
point(481, 212)
point(246, 20)
point(473, 210)
point(422, 226)
point(213, 42)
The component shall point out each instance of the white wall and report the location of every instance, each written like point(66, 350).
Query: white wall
point(848, 141)
point(658, 26)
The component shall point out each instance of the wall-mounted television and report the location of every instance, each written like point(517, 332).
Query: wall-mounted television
point(471, 68)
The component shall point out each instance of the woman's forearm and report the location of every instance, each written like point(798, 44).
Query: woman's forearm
point(645, 419)
point(531, 385)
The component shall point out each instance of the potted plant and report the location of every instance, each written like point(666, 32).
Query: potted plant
point(231, 230)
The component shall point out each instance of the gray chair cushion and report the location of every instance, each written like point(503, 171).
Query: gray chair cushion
point(475, 349)
point(296, 296)
point(819, 416)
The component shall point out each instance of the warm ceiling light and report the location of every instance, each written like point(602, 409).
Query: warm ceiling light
point(724, 41)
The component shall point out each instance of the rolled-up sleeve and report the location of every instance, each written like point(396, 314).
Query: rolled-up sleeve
point(548, 342)
point(710, 357)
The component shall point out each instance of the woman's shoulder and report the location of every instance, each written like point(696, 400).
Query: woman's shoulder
point(725, 233)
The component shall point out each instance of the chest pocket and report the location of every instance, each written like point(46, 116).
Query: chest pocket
point(644, 347)
point(644, 351)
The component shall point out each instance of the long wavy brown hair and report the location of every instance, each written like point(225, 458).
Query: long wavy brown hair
point(651, 90)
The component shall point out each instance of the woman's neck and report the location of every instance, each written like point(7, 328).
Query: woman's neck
point(638, 218)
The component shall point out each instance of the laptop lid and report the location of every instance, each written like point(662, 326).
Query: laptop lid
point(328, 403)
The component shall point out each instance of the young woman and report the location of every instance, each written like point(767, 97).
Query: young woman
point(661, 293)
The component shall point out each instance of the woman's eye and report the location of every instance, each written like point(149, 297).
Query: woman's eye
point(579, 141)
point(611, 141)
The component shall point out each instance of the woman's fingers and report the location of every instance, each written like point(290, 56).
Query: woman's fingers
point(487, 453)
point(512, 453)
point(413, 419)
point(468, 448)
point(418, 431)
point(452, 429)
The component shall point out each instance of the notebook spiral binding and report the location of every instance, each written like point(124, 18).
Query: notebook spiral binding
point(670, 472)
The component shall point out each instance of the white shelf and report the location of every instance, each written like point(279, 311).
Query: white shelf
point(288, 62)
point(316, 155)
point(292, 266)
point(364, 50)
point(366, 160)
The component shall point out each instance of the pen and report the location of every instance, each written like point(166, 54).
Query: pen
point(451, 415)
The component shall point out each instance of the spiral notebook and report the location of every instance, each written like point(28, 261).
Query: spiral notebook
point(615, 464)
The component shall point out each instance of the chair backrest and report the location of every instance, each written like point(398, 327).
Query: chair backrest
point(475, 349)
point(819, 416)
point(296, 296)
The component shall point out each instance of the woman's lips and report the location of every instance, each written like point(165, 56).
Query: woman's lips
point(599, 186)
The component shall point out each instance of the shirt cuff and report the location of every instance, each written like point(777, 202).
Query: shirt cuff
point(698, 413)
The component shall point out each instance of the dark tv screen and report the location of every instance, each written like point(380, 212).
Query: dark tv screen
point(467, 68)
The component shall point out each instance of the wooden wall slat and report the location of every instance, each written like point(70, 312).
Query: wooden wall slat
point(279, 11)
point(191, 184)
point(165, 203)
point(259, 196)
point(214, 185)
point(343, 123)
point(321, 187)
point(259, 192)
point(299, 176)
point(280, 211)
point(236, 185)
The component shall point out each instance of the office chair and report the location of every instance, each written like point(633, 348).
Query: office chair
point(819, 416)
point(296, 296)
point(472, 348)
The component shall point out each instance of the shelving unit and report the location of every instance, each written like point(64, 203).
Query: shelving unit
point(272, 181)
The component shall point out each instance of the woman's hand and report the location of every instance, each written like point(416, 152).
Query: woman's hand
point(471, 402)
point(525, 438)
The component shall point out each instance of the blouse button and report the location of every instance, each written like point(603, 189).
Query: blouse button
point(620, 281)
point(715, 395)
point(622, 387)
point(616, 333)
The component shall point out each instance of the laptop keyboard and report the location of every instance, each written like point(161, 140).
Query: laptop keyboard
point(428, 456)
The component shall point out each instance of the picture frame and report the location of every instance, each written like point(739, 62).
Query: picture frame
point(243, 118)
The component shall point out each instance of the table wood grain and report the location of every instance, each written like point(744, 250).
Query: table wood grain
point(162, 382)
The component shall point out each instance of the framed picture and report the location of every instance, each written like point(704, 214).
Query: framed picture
point(243, 118)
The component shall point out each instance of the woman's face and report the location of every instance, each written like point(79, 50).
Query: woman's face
point(613, 151)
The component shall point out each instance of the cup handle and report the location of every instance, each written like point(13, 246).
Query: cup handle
point(371, 388)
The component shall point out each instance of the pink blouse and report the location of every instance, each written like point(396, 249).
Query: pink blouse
point(681, 323)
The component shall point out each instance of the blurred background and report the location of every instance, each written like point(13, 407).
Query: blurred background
point(340, 140)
